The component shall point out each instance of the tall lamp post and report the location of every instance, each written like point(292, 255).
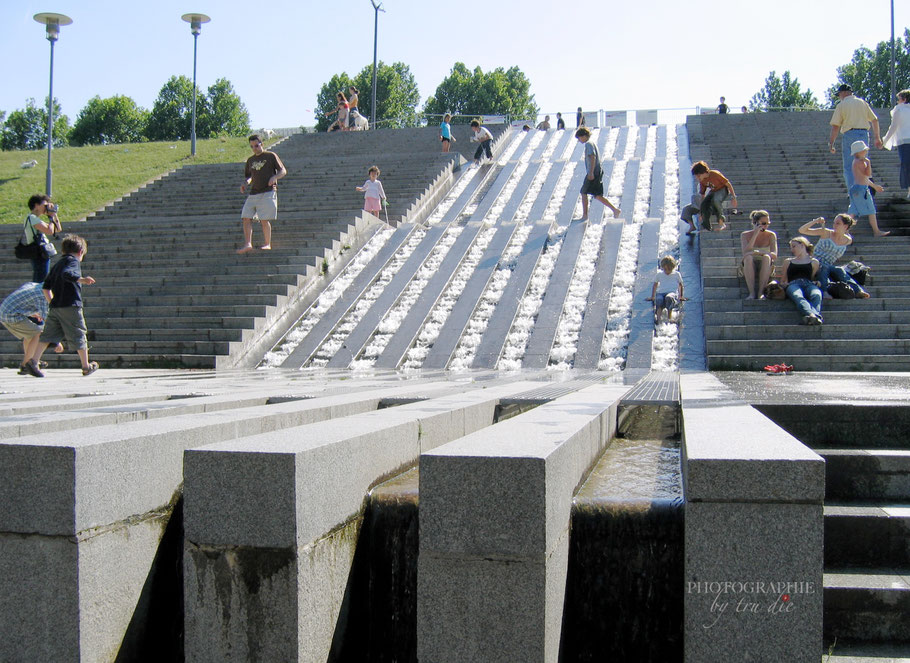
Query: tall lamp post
point(893, 95)
point(376, 9)
point(195, 21)
point(53, 23)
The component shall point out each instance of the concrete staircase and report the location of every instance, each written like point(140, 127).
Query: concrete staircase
point(170, 290)
point(779, 162)
point(533, 191)
point(867, 523)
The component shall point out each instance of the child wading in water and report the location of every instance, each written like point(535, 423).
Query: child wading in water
point(861, 201)
point(373, 193)
point(593, 184)
point(667, 292)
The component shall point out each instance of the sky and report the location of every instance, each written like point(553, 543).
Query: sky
point(647, 54)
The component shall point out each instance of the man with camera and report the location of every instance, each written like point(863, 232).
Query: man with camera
point(40, 204)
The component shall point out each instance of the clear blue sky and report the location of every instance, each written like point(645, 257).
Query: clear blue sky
point(649, 54)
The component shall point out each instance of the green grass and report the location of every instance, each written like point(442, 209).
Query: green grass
point(87, 178)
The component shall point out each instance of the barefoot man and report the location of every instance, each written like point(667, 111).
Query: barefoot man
point(263, 170)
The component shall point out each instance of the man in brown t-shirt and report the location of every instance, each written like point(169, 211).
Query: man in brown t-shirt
point(263, 170)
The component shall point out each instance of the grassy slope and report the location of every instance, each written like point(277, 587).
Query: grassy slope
point(87, 178)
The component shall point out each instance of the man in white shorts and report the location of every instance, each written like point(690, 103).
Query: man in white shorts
point(263, 170)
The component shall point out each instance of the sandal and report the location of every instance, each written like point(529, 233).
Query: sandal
point(778, 369)
point(92, 367)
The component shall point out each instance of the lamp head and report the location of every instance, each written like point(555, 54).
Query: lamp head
point(195, 20)
point(53, 22)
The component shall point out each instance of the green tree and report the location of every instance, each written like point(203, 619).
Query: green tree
point(501, 91)
point(227, 114)
point(26, 128)
point(326, 101)
point(869, 72)
point(171, 117)
point(116, 119)
point(397, 96)
point(782, 92)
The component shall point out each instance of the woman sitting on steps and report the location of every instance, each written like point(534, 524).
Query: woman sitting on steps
point(834, 241)
point(799, 273)
point(759, 247)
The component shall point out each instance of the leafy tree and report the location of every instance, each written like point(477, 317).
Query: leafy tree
point(116, 119)
point(227, 114)
point(171, 117)
point(869, 72)
point(501, 91)
point(26, 129)
point(326, 102)
point(397, 95)
point(782, 92)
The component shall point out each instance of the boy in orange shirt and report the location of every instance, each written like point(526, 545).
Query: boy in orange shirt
point(715, 188)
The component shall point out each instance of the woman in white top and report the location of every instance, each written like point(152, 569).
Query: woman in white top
point(899, 134)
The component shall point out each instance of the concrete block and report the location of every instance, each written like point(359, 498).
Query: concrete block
point(528, 593)
point(737, 454)
point(66, 599)
point(88, 512)
point(754, 532)
point(753, 582)
point(494, 520)
point(296, 497)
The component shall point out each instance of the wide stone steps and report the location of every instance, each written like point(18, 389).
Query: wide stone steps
point(808, 333)
point(806, 182)
point(867, 605)
point(166, 251)
point(808, 358)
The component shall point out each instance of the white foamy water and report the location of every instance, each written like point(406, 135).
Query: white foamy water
point(466, 350)
point(616, 336)
point(565, 342)
point(328, 349)
point(392, 321)
point(665, 346)
point(325, 301)
point(429, 332)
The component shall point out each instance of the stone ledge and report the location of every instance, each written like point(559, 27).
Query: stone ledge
point(733, 453)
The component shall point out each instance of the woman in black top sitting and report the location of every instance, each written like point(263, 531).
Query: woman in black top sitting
point(798, 278)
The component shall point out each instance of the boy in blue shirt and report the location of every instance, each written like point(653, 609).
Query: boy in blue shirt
point(63, 291)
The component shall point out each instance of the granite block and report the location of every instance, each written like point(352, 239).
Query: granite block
point(734, 453)
point(63, 599)
point(494, 525)
point(292, 500)
point(493, 610)
point(102, 475)
point(507, 490)
point(753, 582)
point(39, 599)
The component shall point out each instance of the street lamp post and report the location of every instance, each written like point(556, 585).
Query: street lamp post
point(195, 21)
point(53, 23)
point(376, 9)
point(893, 95)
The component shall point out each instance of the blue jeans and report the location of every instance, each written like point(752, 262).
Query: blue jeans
point(40, 268)
point(827, 273)
point(904, 152)
point(807, 296)
point(848, 139)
